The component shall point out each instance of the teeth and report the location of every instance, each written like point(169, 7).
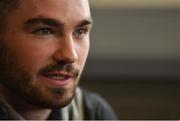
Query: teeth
point(57, 77)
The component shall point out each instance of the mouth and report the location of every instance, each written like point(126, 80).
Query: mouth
point(59, 78)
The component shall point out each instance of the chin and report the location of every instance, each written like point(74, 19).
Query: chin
point(62, 101)
point(56, 98)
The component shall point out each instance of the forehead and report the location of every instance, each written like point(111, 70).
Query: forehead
point(65, 10)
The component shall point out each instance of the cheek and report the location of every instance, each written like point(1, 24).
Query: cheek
point(36, 58)
point(29, 57)
point(83, 51)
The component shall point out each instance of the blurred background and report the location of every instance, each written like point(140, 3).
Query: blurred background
point(134, 61)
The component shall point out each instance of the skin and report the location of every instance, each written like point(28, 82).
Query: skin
point(43, 37)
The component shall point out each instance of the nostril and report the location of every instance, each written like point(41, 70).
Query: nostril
point(65, 59)
point(62, 62)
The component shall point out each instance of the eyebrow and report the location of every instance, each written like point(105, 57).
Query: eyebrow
point(85, 22)
point(43, 20)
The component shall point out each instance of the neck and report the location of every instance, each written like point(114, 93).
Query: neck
point(26, 110)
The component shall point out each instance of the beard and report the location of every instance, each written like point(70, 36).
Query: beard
point(27, 85)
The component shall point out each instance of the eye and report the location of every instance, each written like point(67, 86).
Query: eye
point(81, 31)
point(44, 31)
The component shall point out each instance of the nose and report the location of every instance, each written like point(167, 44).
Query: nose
point(66, 51)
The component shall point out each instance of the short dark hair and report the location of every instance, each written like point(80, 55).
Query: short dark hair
point(6, 6)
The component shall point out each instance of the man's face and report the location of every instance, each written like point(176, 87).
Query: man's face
point(43, 50)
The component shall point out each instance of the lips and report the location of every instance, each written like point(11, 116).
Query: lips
point(58, 78)
point(58, 75)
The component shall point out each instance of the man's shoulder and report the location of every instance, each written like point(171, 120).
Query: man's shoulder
point(96, 107)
